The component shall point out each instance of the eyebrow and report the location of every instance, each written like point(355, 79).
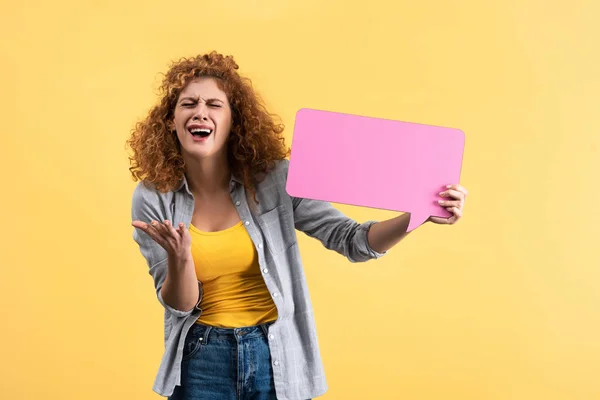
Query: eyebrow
point(195, 99)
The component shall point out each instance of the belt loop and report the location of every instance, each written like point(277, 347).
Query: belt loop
point(206, 334)
point(265, 329)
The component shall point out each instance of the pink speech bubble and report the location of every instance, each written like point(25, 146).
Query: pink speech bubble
point(373, 162)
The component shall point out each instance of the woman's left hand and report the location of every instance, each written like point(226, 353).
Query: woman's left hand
point(454, 203)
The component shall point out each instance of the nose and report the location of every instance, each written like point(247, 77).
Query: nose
point(201, 112)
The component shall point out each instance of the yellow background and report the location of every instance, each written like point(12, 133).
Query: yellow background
point(503, 305)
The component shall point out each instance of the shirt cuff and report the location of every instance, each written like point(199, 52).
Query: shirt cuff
point(180, 313)
point(374, 254)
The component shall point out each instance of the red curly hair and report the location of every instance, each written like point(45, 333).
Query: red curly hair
point(253, 146)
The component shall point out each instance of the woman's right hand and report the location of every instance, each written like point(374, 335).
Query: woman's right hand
point(177, 242)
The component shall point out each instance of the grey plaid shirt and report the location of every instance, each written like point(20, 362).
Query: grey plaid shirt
point(296, 361)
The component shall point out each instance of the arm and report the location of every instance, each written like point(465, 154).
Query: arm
point(180, 289)
point(386, 234)
point(336, 231)
point(176, 276)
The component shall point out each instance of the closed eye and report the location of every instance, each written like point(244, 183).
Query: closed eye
point(192, 104)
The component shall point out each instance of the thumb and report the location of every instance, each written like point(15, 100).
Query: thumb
point(439, 220)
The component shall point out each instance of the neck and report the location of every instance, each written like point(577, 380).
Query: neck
point(207, 177)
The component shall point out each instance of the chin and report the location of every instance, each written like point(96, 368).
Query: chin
point(202, 153)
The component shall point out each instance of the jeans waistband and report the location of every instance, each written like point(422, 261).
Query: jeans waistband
point(208, 332)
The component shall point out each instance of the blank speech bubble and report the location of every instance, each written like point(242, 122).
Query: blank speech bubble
point(374, 162)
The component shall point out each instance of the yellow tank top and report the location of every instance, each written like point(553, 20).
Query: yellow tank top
point(235, 294)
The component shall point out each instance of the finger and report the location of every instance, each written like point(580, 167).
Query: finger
point(139, 224)
point(160, 228)
point(453, 194)
point(155, 228)
point(184, 232)
point(450, 203)
point(168, 238)
point(439, 220)
point(457, 213)
point(166, 232)
point(170, 235)
point(150, 230)
point(459, 188)
point(171, 230)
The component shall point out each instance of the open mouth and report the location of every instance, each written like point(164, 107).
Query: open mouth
point(200, 132)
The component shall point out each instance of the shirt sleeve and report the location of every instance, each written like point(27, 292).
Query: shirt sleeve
point(146, 206)
point(336, 231)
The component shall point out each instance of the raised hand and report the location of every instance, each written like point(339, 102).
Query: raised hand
point(176, 241)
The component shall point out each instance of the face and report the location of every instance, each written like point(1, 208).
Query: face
point(202, 119)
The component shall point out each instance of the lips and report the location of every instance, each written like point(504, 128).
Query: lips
point(200, 131)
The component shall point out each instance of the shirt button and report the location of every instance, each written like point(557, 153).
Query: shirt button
point(266, 271)
point(275, 362)
point(275, 295)
point(247, 223)
point(271, 337)
point(237, 203)
point(260, 245)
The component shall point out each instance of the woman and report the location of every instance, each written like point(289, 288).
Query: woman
point(217, 229)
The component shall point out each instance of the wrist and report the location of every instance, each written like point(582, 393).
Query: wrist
point(180, 260)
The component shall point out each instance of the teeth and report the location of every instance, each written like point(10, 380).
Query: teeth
point(203, 130)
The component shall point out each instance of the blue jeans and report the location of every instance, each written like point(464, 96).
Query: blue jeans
point(226, 364)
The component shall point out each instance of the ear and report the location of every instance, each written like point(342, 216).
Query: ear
point(171, 125)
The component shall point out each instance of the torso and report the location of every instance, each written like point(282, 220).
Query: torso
point(216, 214)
